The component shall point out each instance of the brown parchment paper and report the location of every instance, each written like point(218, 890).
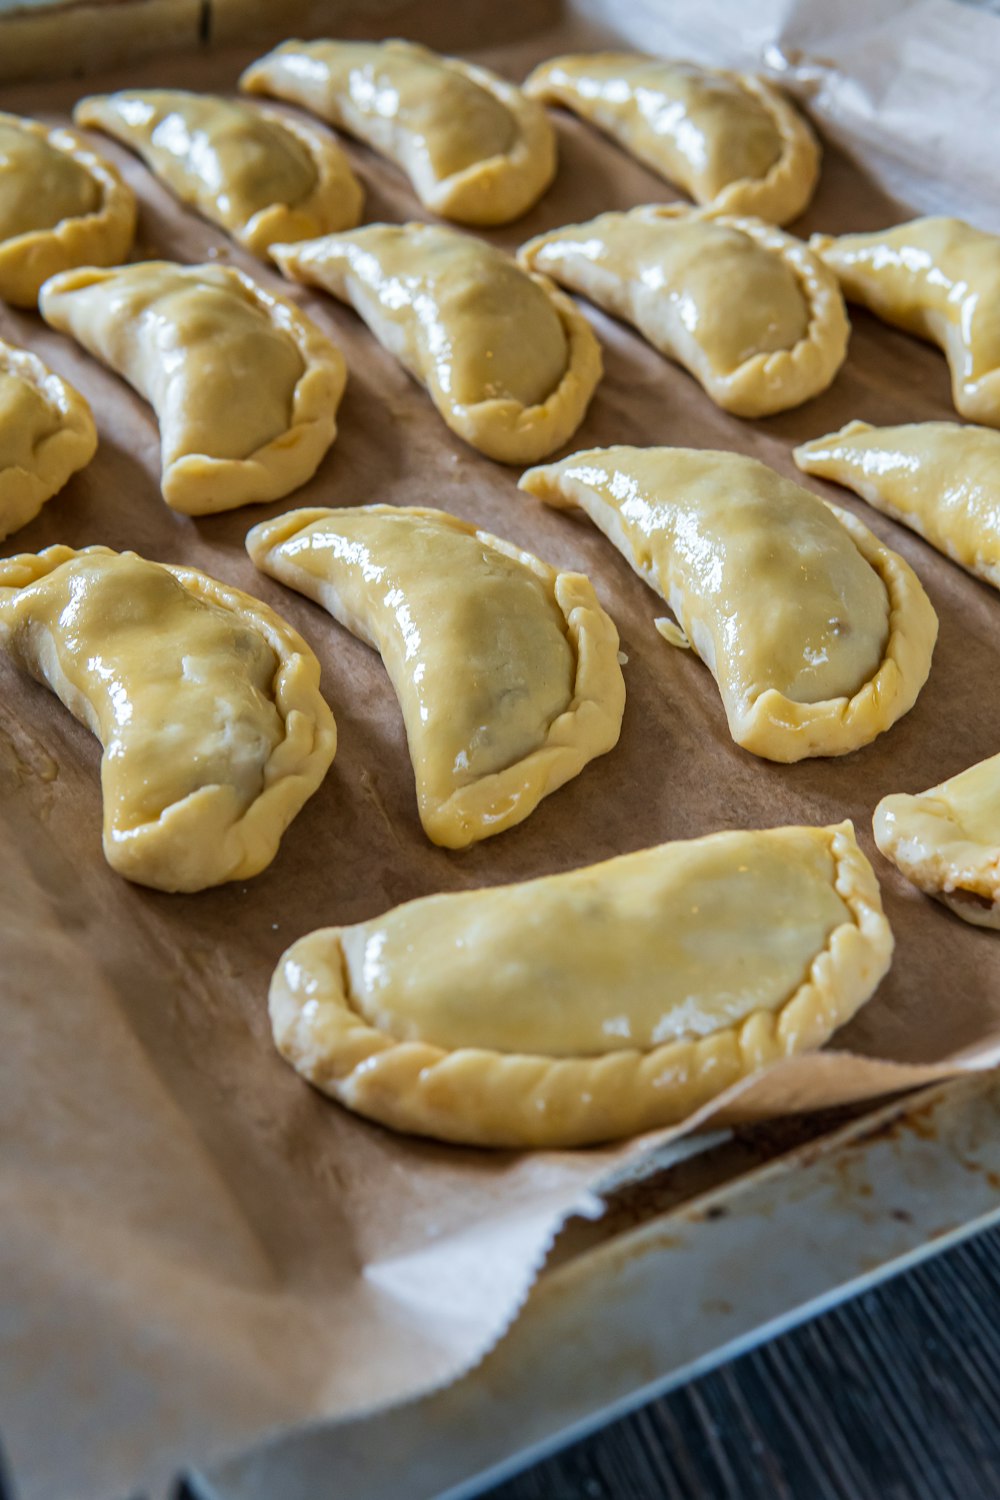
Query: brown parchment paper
point(196, 1248)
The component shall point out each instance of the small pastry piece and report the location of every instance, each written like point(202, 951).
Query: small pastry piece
point(947, 841)
point(207, 704)
point(259, 175)
point(939, 279)
point(729, 139)
point(752, 313)
point(46, 434)
point(818, 636)
point(475, 149)
point(506, 671)
point(61, 205)
point(244, 386)
point(590, 1005)
point(509, 362)
point(939, 478)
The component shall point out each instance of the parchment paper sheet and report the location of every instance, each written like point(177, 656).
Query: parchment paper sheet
point(197, 1249)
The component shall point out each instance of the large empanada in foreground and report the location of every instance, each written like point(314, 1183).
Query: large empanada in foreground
point(46, 434)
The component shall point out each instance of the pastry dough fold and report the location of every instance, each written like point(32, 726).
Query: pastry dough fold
point(46, 434)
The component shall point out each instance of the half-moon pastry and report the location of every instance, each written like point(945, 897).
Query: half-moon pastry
point(206, 702)
point(474, 147)
point(61, 205)
point(506, 671)
point(245, 387)
point(947, 841)
point(818, 636)
point(46, 434)
point(509, 362)
point(939, 279)
point(590, 1005)
point(729, 139)
point(259, 175)
point(750, 311)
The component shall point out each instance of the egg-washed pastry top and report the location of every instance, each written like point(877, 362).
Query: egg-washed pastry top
point(206, 702)
point(61, 205)
point(259, 175)
point(729, 139)
point(46, 434)
point(506, 670)
point(818, 636)
point(244, 385)
point(474, 147)
point(750, 311)
point(593, 1004)
point(509, 362)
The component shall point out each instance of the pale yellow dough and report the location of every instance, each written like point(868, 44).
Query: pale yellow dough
point(506, 671)
point(818, 636)
point(947, 841)
point(750, 311)
point(729, 139)
point(939, 279)
point(587, 1006)
point(61, 205)
point(244, 385)
point(474, 147)
point(509, 362)
point(939, 478)
point(46, 434)
point(260, 175)
point(207, 705)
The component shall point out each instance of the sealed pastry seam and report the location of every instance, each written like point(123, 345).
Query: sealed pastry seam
point(55, 454)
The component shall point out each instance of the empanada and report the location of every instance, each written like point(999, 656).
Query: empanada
point(751, 312)
point(939, 279)
point(947, 841)
point(729, 139)
point(506, 671)
point(46, 434)
point(61, 205)
point(261, 176)
point(475, 149)
point(207, 705)
point(589, 1005)
point(818, 636)
point(939, 478)
point(509, 362)
point(244, 385)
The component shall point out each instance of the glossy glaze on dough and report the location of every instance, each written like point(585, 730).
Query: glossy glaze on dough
point(46, 434)
point(750, 311)
point(729, 139)
point(589, 1005)
point(474, 147)
point(947, 841)
point(506, 671)
point(207, 705)
point(818, 636)
point(260, 175)
point(61, 205)
point(939, 279)
point(509, 361)
point(244, 385)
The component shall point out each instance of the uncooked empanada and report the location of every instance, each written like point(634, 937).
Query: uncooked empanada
point(46, 434)
point(939, 279)
point(509, 362)
point(589, 1005)
point(207, 705)
point(751, 312)
point(245, 387)
point(506, 671)
point(818, 636)
point(729, 139)
point(475, 149)
point(939, 478)
point(260, 175)
point(61, 205)
point(947, 841)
